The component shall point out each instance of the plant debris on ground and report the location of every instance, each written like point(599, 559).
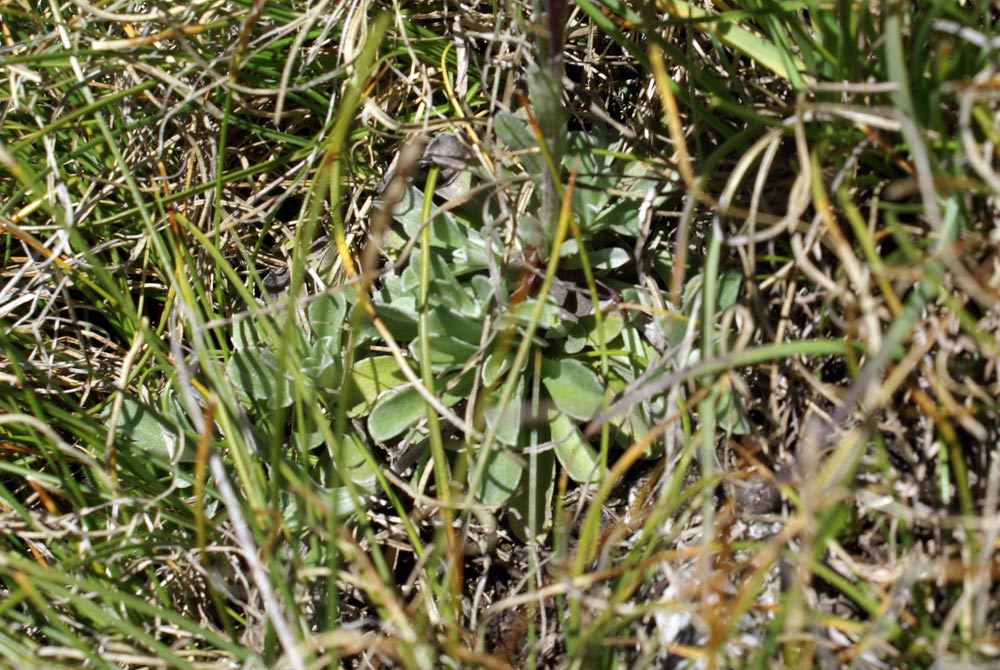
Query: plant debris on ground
point(598, 334)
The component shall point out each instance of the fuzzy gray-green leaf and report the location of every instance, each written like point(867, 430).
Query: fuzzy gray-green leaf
point(573, 387)
point(500, 478)
point(395, 413)
point(576, 455)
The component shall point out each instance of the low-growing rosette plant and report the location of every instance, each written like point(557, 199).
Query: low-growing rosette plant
point(594, 332)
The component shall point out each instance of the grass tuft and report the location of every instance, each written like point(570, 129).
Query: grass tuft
point(512, 335)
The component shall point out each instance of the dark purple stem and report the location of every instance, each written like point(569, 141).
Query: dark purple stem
point(556, 18)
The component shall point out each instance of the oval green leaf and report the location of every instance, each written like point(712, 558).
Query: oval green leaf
point(508, 426)
point(370, 378)
point(326, 315)
point(576, 455)
point(254, 374)
point(574, 387)
point(395, 413)
point(500, 479)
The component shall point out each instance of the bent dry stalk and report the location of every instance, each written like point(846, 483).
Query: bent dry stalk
point(445, 150)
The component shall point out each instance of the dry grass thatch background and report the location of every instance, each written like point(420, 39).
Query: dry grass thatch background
point(792, 237)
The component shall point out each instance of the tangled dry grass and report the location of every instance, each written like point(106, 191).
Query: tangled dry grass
point(812, 479)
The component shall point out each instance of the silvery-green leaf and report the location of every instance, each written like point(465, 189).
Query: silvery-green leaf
point(246, 334)
point(444, 232)
point(326, 314)
point(729, 288)
point(306, 440)
point(500, 478)
point(322, 364)
point(573, 387)
point(575, 341)
point(550, 314)
point(508, 426)
point(254, 373)
point(150, 431)
point(520, 506)
point(454, 295)
point(576, 455)
point(442, 321)
point(400, 408)
point(600, 259)
point(613, 324)
point(482, 289)
point(400, 318)
point(395, 413)
point(445, 351)
point(514, 132)
point(355, 461)
point(494, 367)
point(370, 378)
